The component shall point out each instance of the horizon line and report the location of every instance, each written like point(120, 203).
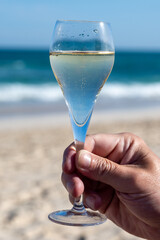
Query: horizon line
point(44, 48)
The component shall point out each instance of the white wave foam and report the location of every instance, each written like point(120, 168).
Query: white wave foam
point(52, 93)
point(134, 90)
point(21, 92)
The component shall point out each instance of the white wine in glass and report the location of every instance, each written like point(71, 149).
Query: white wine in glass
point(81, 57)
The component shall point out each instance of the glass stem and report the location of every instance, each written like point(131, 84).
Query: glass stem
point(78, 206)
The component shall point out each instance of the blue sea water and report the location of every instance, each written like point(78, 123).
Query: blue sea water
point(26, 78)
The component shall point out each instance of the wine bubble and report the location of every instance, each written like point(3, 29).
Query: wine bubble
point(95, 31)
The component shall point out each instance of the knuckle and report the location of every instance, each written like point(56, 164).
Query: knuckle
point(65, 153)
point(128, 136)
point(68, 159)
point(64, 179)
point(138, 141)
point(104, 167)
point(68, 149)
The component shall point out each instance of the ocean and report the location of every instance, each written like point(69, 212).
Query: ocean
point(27, 84)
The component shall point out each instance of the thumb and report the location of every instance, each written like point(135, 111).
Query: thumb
point(120, 177)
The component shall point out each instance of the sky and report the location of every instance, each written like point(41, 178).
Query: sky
point(29, 23)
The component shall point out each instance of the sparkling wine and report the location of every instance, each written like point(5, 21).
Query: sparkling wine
point(81, 75)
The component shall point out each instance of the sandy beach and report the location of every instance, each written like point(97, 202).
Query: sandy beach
point(31, 150)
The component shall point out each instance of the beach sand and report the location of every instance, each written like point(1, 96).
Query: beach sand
point(31, 150)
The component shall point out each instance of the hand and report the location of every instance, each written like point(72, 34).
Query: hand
point(119, 176)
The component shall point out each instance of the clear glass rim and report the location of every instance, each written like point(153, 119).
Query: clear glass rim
point(87, 21)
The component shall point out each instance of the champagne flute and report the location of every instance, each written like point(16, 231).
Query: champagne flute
point(81, 57)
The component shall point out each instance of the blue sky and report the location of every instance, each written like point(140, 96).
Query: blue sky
point(29, 23)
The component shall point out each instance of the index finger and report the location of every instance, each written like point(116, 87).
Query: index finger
point(69, 154)
point(106, 145)
point(101, 144)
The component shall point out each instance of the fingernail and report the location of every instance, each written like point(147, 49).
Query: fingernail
point(90, 202)
point(84, 160)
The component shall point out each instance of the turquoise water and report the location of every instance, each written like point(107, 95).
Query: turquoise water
point(26, 76)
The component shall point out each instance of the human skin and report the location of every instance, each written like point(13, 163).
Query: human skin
point(119, 176)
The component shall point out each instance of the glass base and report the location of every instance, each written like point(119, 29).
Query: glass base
point(71, 218)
